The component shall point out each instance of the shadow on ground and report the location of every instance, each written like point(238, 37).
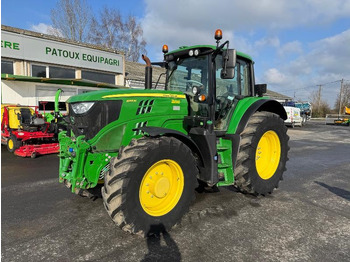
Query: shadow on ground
point(157, 251)
point(336, 190)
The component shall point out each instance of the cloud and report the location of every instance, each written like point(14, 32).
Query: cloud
point(325, 63)
point(294, 47)
point(274, 76)
point(192, 20)
point(40, 28)
point(46, 29)
point(268, 42)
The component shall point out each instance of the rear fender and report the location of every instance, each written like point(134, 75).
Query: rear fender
point(247, 107)
point(241, 117)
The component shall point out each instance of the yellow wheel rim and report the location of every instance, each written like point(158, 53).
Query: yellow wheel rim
point(268, 154)
point(161, 187)
point(10, 143)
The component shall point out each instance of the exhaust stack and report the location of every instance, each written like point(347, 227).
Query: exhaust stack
point(148, 72)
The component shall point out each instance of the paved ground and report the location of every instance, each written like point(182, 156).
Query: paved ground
point(306, 219)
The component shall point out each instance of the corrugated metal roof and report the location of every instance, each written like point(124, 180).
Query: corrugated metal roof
point(136, 71)
point(277, 96)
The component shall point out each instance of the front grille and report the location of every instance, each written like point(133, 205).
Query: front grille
point(90, 123)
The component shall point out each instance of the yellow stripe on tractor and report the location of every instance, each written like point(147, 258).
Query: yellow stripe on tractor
point(146, 95)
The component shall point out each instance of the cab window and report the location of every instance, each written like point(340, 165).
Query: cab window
point(228, 89)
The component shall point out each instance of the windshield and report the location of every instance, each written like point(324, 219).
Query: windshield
point(185, 73)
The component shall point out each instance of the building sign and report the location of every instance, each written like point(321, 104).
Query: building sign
point(30, 48)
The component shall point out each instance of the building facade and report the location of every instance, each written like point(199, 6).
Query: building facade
point(41, 57)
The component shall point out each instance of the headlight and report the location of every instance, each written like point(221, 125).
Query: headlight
point(195, 90)
point(81, 108)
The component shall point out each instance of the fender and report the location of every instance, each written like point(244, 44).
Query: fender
point(261, 105)
point(154, 131)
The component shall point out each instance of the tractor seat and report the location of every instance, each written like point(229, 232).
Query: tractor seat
point(25, 116)
point(27, 119)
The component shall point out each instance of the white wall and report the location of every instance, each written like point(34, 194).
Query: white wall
point(28, 93)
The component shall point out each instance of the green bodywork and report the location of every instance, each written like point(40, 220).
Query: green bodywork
point(83, 163)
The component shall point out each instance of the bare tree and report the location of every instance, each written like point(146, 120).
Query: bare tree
point(319, 106)
point(111, 31)
point(343, 98)
point(107, 30)
point(70, 19)
point(134, 44)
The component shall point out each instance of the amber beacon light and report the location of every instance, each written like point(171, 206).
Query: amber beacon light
point(165, 49)
point(218, 34)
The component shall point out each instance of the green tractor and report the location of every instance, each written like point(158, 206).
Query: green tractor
point(152, 148)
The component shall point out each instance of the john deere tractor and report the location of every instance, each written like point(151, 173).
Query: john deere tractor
point(151, 148)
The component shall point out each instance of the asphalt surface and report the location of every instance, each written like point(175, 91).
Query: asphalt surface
point(306, 219)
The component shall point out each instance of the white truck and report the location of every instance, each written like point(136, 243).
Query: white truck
point(293, 116)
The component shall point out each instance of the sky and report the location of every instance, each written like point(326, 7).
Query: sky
point(296, 45)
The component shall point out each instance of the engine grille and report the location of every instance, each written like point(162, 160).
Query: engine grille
point(90, 123)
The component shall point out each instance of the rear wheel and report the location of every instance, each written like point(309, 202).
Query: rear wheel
point(150, 185)
point(262, 156)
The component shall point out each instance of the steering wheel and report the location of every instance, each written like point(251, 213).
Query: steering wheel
point(224, 103)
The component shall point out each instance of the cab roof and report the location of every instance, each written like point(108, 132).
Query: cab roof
point(206, 47)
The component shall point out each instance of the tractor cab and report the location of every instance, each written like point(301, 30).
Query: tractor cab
point(214, 79)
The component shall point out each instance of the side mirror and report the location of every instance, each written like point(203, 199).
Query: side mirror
point(228, 64)
point(260, 89)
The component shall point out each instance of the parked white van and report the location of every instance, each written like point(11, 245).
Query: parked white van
point(293, 116)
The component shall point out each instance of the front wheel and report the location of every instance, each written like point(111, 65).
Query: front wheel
point(13, 143)
point(150, 185)
point(262, 156)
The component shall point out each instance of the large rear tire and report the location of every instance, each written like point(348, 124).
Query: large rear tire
point(150, 185)
point(262, 156)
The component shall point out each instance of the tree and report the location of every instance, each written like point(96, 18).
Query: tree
point(71, 19)
point(107, 30)
point(111, 31)
point(134, 43)
point(343, 98)
point(319, 106)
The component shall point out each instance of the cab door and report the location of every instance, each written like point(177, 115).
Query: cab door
point(230, 91)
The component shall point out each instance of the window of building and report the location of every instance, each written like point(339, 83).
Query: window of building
point(50, 106)
point(98, 77)
point(60, 72)
point(38, 71)
point(6, 67)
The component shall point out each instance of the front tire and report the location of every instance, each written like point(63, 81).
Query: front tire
point(12, 143)
point(150, 185)
point(262, 156)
